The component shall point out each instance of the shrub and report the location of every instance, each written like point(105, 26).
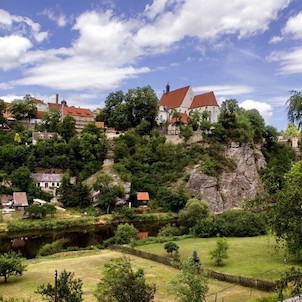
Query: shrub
point(168, 231)
point(238, 223)
point(53, 247)
point(125, 233)
point(205, 228)
point(220, 252)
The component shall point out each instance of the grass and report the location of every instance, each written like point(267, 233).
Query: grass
point(255, 257)
point(88, 265)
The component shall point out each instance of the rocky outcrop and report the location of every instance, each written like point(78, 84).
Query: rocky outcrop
point(226, 191)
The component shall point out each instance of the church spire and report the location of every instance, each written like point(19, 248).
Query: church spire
point(168, 88)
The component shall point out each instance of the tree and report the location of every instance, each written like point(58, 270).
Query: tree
point(40, 211)
point(286, 212)
point(191, 285)
point(121, 284)
point(220, 252)
point(125, 233)
point(24, 108)
point(68, 129)
point(194, 211)
point(51, 120)
point(186, 132)
point(291, 130)
point(21, 178)
point(171, 247)
point(294, 108)
point(68, 289)
point(11, 264)
point(195, 259)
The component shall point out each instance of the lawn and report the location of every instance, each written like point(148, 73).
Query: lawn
point(88, 267)
point(255, 257)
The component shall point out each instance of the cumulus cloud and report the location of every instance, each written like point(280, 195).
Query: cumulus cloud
point(221, 90)
point(293, 27)
point(12, 49)
point(265, 109)
point(276, 39)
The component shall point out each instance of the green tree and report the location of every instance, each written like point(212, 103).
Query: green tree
point(220, 253)
point(68, 129)
point(125, 233)
point(11, 264)
point(40, 211)
point(120, 283)
point(186, 132)
point(171, 247)
point(190, 285)
point(21, 178)
point(68, 289)
point(286, 222)
point(291, 130)
point(294, 108)
point(24, 108)
point(194, 211)
point(51, 121)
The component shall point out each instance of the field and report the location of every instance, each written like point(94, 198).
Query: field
point(88, 267)
point(255, 257)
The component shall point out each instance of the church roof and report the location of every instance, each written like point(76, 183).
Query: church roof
point(173, 99)
point(203, 100)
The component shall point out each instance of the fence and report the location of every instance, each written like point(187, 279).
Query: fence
point(247, 282)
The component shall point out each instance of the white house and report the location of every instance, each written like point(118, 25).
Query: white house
point(48, 182)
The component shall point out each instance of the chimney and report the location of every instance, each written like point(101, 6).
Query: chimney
point(57, 99)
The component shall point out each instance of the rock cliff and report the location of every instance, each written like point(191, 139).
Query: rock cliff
point(230, 188)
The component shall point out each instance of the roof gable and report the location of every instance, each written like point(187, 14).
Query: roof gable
point(174, 99)
point(203, 100)
point(20, 199)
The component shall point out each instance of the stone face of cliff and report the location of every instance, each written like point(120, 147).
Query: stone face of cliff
point(226, 191)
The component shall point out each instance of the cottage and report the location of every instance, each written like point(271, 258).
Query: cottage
point(20, 202)
point(142, 199)
point(48, 182)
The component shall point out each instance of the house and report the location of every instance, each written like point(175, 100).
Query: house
point(48, 182)
point(82, 116)
point(142, 199)
point(42, 136)
point(20, 202)
point(184, 101)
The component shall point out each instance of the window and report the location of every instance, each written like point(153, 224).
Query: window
point(46, 185)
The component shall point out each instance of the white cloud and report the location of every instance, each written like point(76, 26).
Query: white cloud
point(10, 97)
point(293, 27)
point(276, 39)
point(59, 19)
point(77, 73)
point(265, 109)
point(13, 49)
point(209, 19)
point(291, 61)
point(221, 90)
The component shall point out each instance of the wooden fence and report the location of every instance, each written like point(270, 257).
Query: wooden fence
point(244, 281)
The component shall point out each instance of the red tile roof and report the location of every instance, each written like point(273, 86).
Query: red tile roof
point(203, 100)
point(20, 199)
point(184, 118)
point(73, 111)
point(100, 124)
point(38, 101)
point(142, 196)
point(174, 99)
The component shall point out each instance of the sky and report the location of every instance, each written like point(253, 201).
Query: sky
point(248, 50)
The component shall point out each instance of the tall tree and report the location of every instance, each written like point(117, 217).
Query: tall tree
point(120, 283)
point(68, 129)
point(294, 108)
point(24, 108)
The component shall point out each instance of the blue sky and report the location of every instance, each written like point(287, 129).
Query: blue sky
point(250, 50)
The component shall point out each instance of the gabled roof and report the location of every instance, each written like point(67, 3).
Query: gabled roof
point(203, 100)
point(142, 196)
point(20, 199)
point(54, 105)
point(73, 111)
point(184, 118)
point(174, 99)
point(47, 177)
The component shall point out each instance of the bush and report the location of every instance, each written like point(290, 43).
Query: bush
point(52, 248)
point(238, 223)
point(220, 252)
point(125, 233)
point(205, 228)
point(168, 231)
